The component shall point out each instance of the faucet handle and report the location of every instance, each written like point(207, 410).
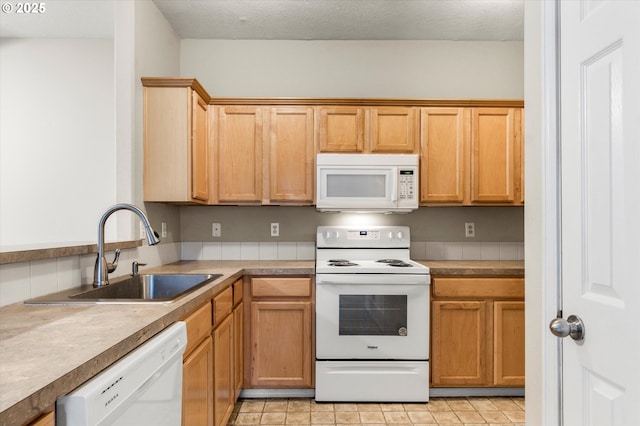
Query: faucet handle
point(134, 267)
point(113, 265)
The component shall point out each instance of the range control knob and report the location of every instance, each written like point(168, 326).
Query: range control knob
point(391, 235)
point(400, 235)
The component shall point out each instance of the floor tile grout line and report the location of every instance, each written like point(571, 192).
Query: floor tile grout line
point(472, 410)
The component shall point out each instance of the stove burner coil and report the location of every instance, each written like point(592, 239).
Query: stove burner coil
point(341, 262)
point(390, 261)
point(401, 265)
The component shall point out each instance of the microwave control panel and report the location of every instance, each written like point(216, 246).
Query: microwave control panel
point(407, 184)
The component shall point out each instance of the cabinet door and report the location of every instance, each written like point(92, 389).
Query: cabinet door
point(508, 343)
point(48, 419)
point(394, 129)
point(240, 141)
point(166, 144)
point(291, 155)
point(223, 380)
point(492, 156)
point(281, 344)
point(197, 386)
point(458, 351)
point(199, 149)
point(444, 145)
point(520, 156)
point(238, 348)
point(341, 129)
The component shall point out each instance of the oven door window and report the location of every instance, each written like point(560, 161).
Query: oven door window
point(372, 315)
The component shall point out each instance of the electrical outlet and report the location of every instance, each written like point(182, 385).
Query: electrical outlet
point(163, 233)
point(275, 229)
point(469, 229)
point(216, 230)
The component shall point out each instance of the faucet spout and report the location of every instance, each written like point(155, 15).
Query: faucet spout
point(102, 267)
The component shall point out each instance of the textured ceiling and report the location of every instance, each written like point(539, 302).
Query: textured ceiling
point(346, 19)
point(288, 19)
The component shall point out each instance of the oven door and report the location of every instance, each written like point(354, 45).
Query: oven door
point(372, 316)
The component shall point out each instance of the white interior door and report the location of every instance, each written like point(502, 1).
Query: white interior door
point(600, 128)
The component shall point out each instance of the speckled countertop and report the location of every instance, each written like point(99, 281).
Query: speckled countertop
point(489, 268)
point(47, 351)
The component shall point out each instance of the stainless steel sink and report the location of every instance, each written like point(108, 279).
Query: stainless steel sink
point(143, 288)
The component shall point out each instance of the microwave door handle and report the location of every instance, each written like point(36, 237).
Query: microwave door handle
point(394, 187)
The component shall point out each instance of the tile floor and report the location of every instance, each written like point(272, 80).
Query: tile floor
point(439, 411)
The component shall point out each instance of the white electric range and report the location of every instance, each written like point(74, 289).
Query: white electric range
point(372, 316)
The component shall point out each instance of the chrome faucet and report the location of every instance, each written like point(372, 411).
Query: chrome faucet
point(102, 267)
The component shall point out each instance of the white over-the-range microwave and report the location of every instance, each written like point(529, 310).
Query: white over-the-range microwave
point(385, 183)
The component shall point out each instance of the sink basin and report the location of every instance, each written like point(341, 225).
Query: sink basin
point(142, 288)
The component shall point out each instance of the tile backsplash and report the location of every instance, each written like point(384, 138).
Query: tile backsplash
point(25, 280)
point(248, 251)
point(306, 250)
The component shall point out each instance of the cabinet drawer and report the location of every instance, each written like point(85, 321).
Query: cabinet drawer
point(237, 292)
point(281, 287)
point(507, 288)
point(198, 326)
point(222, 305)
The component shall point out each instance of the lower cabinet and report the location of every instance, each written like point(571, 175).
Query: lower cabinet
point(48, 419)
point(210, 368)
point(281, 337)
point(197, 386)
point(224, 386)
point(508, 343)
point(459, 334)
point(197, 368)
point(238, 344)
point(477, 332)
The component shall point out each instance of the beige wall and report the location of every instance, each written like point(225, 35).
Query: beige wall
point(399, 69)
point(247, 223)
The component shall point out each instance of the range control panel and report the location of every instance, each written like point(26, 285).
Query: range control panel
point(363, 236)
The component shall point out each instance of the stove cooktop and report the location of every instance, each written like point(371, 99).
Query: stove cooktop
point(379, 266)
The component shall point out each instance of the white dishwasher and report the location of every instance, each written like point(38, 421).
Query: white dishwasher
point(143, 388)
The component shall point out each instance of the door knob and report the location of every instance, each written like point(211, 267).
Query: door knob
point(572, 326)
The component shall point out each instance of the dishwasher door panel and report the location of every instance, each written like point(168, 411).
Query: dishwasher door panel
point(143, 388)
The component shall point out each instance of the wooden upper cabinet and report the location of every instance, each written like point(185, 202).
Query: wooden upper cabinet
point(471, 156)
point(520, 155)
point(290, 156)
point(239, 153)
point(394, 130)
point(341, 129)
point(176, 141)
point(493, 171)
point(199, 149)
point(444, 140)
point(368, 129)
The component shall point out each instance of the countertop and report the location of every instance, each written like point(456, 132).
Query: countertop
point(47, 351)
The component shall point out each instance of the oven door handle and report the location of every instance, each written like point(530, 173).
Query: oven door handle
point(422, 283)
